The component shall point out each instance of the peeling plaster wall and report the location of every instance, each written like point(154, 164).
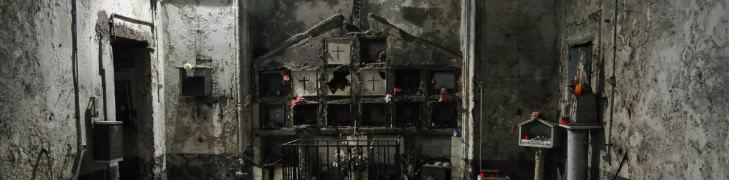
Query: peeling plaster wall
point(433, 20)
point(274, 21)
point(667, 110)
point(38, 129)
point(516, 58)
point(37, 94)
point(202, 131)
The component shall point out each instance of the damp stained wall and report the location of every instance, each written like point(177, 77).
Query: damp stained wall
point(202, 131)
point(39, 131)
point(272, 21)
point(37, 96)
point(667, 109)
point(517, 60)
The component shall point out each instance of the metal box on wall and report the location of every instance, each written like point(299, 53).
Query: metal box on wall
point(107, 141)
point(537, 133)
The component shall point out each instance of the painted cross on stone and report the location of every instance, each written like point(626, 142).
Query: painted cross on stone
point(304, 82)
point(337, 51)
point(373, 81)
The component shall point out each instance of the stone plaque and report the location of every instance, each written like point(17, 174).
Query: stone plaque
point(305, 83)
point(372, 82)
point(338, 51)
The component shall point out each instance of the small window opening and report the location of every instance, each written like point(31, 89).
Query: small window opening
point(305, 114)
point(444, 115)
point(443, 81)
point(339, 115)
point(373, 50)
point(374, 115)
point(272, 116)
point(407, 113)
point(408, 81)
point(274, 83)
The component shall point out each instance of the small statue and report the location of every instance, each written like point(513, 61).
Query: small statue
point(444, 97)
point(381, 56)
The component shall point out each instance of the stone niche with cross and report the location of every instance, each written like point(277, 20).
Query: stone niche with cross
point(338, 51)
point(373, 82)
point(305, 83)
point(345, 75)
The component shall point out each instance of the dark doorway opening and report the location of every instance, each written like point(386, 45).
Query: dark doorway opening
point(133, 104)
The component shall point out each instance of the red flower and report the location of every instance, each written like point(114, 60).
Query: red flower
point(296, 101)
point(396, 90)
point(535, 115)
point(443, 95)
point(564, 121)
point(285, 76)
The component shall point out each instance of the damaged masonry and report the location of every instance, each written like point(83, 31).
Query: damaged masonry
point(344, 101)
point(364, 89)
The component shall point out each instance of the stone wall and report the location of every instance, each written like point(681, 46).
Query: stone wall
point(517, 61)
point(666, 111)
point(274, 21)
point(202, 130)
point(37, 95)
point(39, 102)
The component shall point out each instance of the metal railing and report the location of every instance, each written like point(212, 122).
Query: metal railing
point(338, 159)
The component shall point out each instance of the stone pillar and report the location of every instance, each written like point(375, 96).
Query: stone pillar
point(539, 164)
point(468, 34)
point(576, 154)
point(245, 125)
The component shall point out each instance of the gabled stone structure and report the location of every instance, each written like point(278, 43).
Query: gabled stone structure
point(334, 80)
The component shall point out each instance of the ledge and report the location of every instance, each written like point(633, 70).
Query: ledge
point(331, 131)
point(583, 126)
